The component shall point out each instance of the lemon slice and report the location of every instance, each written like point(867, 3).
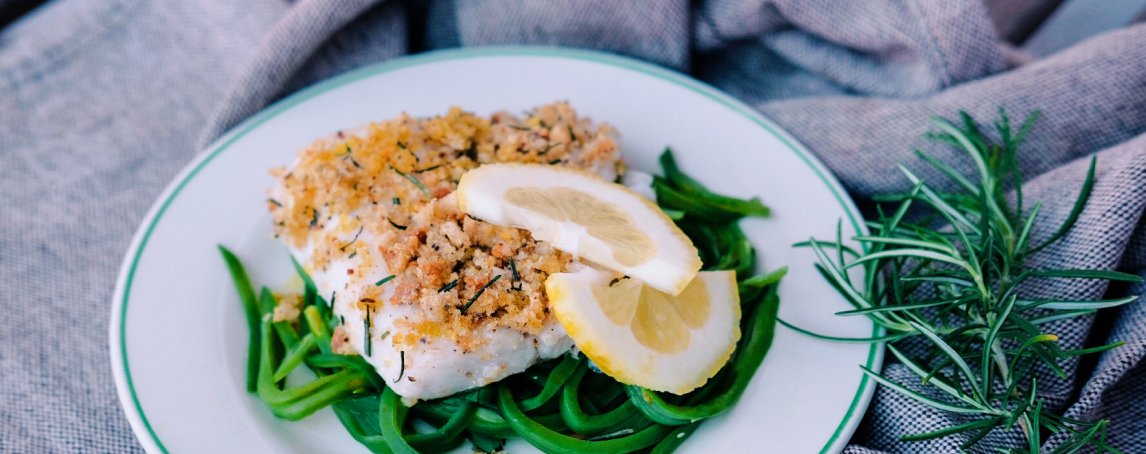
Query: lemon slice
point(581, 214)
point(642, 336)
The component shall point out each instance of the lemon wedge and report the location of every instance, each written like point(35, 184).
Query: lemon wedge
point(579, 213)
point(642, 336)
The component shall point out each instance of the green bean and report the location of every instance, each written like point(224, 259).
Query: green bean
point(334, 393)
point(392, 417)
point(675, 438)
point(375, 443)
point(698, 199)
point(740, 256)
point(295, 356)
point(758, 338)
point(486, 422)
point(286, 332)
point(310, 291)
point(484, 443)
point(334, 360)
point(250, 306)
point(553, 442)
point(582, 423)
point(318, 328)
point(750, 289)
point(677, 178)
point(447, 432)
point(705, 242)
point(363, 403)
point(552, 384)
point(607, 396)
point(300, 401)
point(589, 408)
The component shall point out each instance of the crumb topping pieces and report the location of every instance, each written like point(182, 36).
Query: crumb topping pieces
point(378, 201)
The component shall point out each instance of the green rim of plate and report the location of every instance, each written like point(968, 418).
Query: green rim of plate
point(224, 142)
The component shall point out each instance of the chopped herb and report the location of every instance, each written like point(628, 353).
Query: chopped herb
point(572, 137)
point(384, 335)
point(355, 185)
point(332, 295)
point(513, 268)
point(555, 161)
point(343, 248)
point(519, 128)
point(448, 287)
point(276, 202)
point(385, 280)
point(401, 372)
point(543, 125)
point(397, 226)
point(479, 292)
point(397, 201)
point(550, 147)
point(401, 145)
point(313, 217)
point(427, 169)
point(352, 254)
point(413, 180)
point(471, 217)
point(341, 320)
point(352, 161)
point(369, 344)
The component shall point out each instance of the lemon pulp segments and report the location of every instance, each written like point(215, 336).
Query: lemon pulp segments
point(601, 219)
point(642, 336)
point(658, 320)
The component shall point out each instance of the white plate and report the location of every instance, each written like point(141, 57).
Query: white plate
point(178, 334)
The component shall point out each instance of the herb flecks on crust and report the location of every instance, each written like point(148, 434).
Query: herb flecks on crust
point(380, 196)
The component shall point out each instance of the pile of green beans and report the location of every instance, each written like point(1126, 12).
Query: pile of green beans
point(561, 406)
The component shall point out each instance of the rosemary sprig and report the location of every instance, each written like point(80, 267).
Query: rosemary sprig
point(478, 294)
point(959, 289)
point(402, 371)
point(550, 147)
point(412, 179)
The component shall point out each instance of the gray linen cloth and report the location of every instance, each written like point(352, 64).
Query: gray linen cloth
point(103, 101)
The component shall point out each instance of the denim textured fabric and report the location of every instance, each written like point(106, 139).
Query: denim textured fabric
point(103, 101)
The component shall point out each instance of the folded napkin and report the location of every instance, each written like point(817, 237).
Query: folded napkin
point(103, 101)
